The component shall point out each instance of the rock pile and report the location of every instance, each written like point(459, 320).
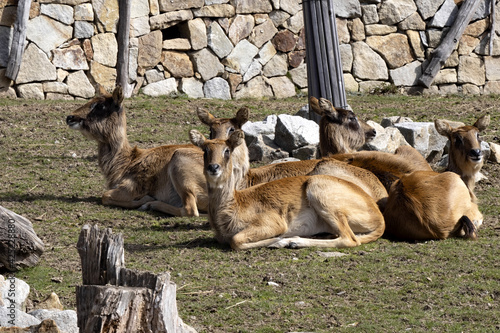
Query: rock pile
point(240, 48)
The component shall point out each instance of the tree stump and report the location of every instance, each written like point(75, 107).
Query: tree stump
point(116, 299)
point(19, 245)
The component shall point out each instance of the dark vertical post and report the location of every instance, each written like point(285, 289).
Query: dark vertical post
point(123, 49)
point(324, 66)
point(18, 39)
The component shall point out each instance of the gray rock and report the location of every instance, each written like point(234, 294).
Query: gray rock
point(169, 6)
point(282, 87)
point(299, 75)
point(394, 11)
point(293, 132)
point(14, 317)
point(263, 148)
point(390, 121)
point(139, 8)
point(79, 85)
point(197, 32)
point(218, 10)
point(347, 8)
point(241, 56)
point(367, 64)
point(407, 75)
point(370, 14)
point(387, 139)
point(218, 41)
point(47, 33)
point(494, 152)
point(254, 70)
point(445, 16)
point(346, 57)
point(295, 23)
point(309, 152)
point(427, 8)
point(169, 19)
point(252, 6)
point(35, 66)
point(207, 64)
point(278, 17)
point(139, 26)
point(84, 12)
point(266, 53)
point(192, 87)
point(277, 66)
point(55, 87)
point(133, 56)
point(62, 13)
point(83, 29)
point(66, 320)
point(292, 7)
point(253, 129)
point(240, 28)
point(154, 75)
point(262, 33)
point(161, 88)
point(217, 88)
point(70, 58)
point(255, 88)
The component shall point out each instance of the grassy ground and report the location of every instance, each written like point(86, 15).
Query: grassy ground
point(49, 174)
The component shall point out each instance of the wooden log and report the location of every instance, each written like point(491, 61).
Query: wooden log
point(18, 39)
point(444, 50)
point(123, 47)
point(492, 25)
point(324, 67)
point(20, 247)
point(120, 299)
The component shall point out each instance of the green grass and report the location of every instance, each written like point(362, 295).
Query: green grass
point(49, 174)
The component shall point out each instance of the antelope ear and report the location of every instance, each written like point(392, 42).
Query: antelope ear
point(101, 91)
point(236, 139)
point(443, 127)
point(314, 105)
point(118, 95)
point(482, 122)
point(241, 117)
point(328, 109)
point(206, 117)
point(196, 138)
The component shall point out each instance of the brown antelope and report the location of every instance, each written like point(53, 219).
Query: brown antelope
point(340, 131)
point(429, 205)
point(465, 154)
point(146, 177)
point(281, 212)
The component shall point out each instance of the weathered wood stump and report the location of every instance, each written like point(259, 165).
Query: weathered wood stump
point(116, 299)
point(19, 245)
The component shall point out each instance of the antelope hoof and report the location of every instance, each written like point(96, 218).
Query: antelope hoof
point(145, 207)
point(280, 244)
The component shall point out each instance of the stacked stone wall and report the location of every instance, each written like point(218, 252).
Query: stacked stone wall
point(242, 48)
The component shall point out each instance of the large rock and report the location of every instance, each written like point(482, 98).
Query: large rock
point(218, 10)
point(282, 87)
point(295, 23)
point(416, 44)
point(293, 132)
point(218, 41)
point(66, 320)
point(197, 32)
point(387, 139)
point(170, 6)
point(423, 137)
point(217, 88)
point(241, 27)
point(299, 75)
point(192, 87)
point(263, 149)
point(31, 91)
point(277, 66)
point(71, 58)
point(394, 48)
point(169, 19)
point(83, 29)
point(150, 47)
point(471, 70)
point(254, 70)
point(139, 26)
point(278, 17)
point(177, 63)
point(84, 12)
point(285, 41)
point(160, 88)
point(106, 14)
point(62, 13)
point(252, 6)
point(407, 75)
point(492, 67)
point(412, 22)
point(207, 64)
point(241, 56)
point(55, 87)
point(445, 16)
point(367, 64)
point(262, 33)
point(14, 293)
point(47, 33)
point(35, 66)
point(255, 88)
point(79, 85)
point(370, 14)
point(103, 75)
point(446, 76)
point(347, 8)
point(346, 57)
point(427, 8)
point(254, 129)
point(105, 49)
point(266, 53)
point(15, 317)
point(394, 11)
point(139, 8)
point(379, 29)
point(292, 7)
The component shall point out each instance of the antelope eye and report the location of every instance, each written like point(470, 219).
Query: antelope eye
point(226, 153)
point(230, 130)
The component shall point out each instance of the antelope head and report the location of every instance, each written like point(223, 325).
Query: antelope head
point(222, 128)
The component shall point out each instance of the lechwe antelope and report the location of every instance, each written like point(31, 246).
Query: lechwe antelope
point(340, 131)
point(146, 177)
point(465, 154)
point(429, 205)
point(281, 212)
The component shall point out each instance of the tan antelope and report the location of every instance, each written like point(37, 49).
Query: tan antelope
point(429, 205)
point(340, 131)
point(280, 213)
point(136, 177)
point(465, 154)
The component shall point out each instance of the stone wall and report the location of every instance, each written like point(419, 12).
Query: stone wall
point(241, 48)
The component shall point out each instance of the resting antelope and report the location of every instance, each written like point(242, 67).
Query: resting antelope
point(137, 177)
point(465, 156)
point(340, 131)
point(429, 205)
point(281, 212)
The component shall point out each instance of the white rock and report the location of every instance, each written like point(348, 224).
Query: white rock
point(139, 26)
point(218, 41)
point(105, 49)
point(35, 66)
point(84, 12)
point(241, 56)
point(293, 132)
point(66, 320)
point(47, 33)
point(62, 13)
point(254, 70)
point(299, 75)
point(70, 58)
point(192, 87)
point(17, 317)
point(445, 16)
point(282, 87)
point(79, 85)
point(407, 75)
point(277, 66)
point(14, 292)
point(83, 29)
point(217, 88)
point(164, 87)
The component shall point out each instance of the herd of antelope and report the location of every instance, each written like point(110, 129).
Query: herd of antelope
point(353, 197)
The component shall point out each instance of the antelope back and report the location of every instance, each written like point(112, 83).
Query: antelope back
point(340, 131)
point(222, 128)
point(466, 155)
point(101, 118)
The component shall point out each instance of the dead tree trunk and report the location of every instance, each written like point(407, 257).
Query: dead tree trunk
point(116, 299)
point(20, 247)
point(123, 49)
point(18, 39)
point(443, 51)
